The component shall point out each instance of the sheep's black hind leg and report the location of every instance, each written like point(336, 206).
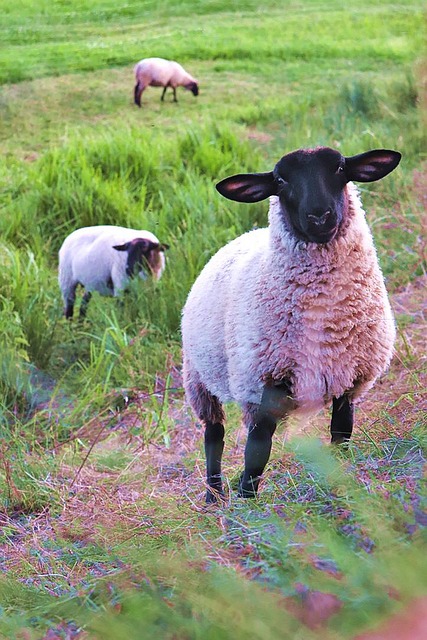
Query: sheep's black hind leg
point(342, 419)
point(209, 410)
point(276, 402)
point(69, 302)
point(214, 446)
point(163, 94)
point(83, 307)
point(137, 94)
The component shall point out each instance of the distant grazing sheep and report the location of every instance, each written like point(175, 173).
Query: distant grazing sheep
point(291, 317)
point(104, 258)
point(157, 72)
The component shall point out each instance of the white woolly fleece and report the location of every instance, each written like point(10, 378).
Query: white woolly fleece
point(267, 306)
point(87, 257)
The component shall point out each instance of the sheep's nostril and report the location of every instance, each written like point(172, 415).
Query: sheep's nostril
point(319, 218)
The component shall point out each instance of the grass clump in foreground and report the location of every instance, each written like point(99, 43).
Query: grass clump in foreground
point(327, 550)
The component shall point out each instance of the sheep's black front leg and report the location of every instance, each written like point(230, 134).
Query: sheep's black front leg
point(214, 446)
point(69, 308)
point(342, 419)
point(276, 402)
point(163, 94)
point(83, 307)
point(257, 453)
point(175, 99)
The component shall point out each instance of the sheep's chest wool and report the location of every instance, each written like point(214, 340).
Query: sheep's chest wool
point(327, 319)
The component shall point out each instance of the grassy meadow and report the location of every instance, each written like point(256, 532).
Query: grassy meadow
point(103, 530)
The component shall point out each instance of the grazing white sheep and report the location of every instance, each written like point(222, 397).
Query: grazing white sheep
point(158, 72)
point(291, 317)
point(103, 258)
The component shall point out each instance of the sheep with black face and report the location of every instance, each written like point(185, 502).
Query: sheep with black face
point(292, 317)
point(104, 258)
point(158, 72)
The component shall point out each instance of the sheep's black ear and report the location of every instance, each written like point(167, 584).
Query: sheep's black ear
point(163, 246)
point(248, 187)
point(372, 165)
point(121, 247)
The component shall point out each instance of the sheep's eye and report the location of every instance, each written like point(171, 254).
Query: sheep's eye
point(340, 168)
point(280, 181)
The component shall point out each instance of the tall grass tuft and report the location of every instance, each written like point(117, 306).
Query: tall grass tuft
point(27, 285)
point(125, 178)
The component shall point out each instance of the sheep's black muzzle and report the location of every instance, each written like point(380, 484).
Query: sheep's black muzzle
point(321, 226)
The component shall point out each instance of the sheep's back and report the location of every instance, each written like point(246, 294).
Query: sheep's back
point(159, 72)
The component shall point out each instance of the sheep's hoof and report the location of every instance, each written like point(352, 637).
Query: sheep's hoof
point(340, 440)
point(340, 444)
point(243, 493)
point(248, 491)
point(213, 496)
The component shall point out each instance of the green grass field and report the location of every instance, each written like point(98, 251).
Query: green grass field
point(103, 531)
